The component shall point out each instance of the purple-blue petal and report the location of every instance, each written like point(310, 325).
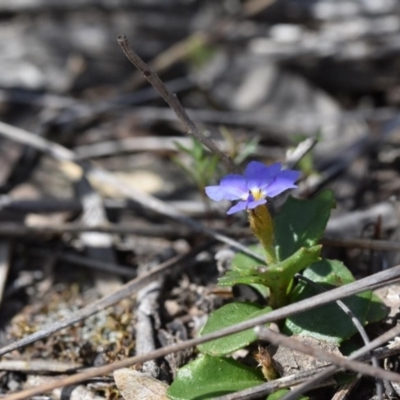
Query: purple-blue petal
point(215, 193)
point(254, 169)
point(270, 180)
point(258, 175)
point(234, 180)
point(235, 184)
point(218, 193)
point(285, 180)
point(241, 206)
point(255, 203)
point(232, 187)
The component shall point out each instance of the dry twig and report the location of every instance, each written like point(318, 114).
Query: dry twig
point(318, 374)
point(172, 101)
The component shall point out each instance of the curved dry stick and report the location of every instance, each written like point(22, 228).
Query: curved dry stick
point(172, 101)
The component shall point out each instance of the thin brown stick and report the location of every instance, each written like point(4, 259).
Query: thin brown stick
point(308, 376)
point(320, 374)
point(18, 230)
point(113, 269)
point(146, 200)
point(358, 325)
point(14, 229)
point(39, 365)
point(390, 334)
point(172, 101)
point(369, 244)
point(341, 362)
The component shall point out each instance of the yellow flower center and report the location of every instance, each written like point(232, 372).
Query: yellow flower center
point(257, 194)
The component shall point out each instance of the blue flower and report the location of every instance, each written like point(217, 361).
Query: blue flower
point(252, 189)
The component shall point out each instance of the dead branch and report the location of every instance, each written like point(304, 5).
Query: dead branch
point(172, 101)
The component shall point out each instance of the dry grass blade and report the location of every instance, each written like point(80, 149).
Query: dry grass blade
point(377, 280)
point(39, 366)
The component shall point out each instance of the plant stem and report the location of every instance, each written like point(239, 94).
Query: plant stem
point(262, 225)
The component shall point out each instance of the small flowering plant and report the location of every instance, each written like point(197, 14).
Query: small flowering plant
point(289, 243)
point(252, 189)
point(258, 183)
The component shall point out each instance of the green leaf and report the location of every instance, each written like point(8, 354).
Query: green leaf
point(377, 310)
point(243, 151)
point(197, 150)
point(183, 148)
point(277, 277)
point(328, 322)
point(228, 315)
point(243, 262)
point(244, 269)
point(234, 278)
point(208, 377)
point(212, 164)
point(198, 51)
point(301, 223)
point(246, 266)
point(280, 393)
point(283, 272)
point(187, 170)
point(262, 289)
point(206, 168)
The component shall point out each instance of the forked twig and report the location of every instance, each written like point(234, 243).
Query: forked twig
point(172, 101)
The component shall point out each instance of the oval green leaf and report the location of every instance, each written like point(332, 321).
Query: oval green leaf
point(208, 377)
point(301, 223)
point(328, 322)
point(228, 315)
point(280, 393)
point(242, 263)
point(377, 310)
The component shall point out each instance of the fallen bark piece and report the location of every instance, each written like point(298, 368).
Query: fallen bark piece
point(134, 385)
